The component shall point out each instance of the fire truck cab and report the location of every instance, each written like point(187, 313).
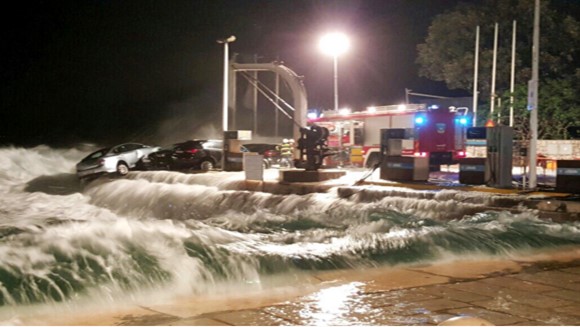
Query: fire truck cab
point(429, 131)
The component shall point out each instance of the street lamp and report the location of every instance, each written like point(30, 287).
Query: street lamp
point(335, 44)
point(226, 70)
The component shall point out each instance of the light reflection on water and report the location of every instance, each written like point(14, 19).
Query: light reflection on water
point(350, 305)
point(333, 305)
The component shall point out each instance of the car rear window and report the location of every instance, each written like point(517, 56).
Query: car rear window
point(189, 146)
point(97, 154)
point(213, 145)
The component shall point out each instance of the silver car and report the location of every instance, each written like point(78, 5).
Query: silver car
point(120, 159)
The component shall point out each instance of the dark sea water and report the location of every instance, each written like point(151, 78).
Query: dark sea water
point(63, 245)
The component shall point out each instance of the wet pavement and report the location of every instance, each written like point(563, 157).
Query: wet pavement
point(540, 289)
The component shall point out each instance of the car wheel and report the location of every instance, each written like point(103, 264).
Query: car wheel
point(122, 169)
point(206, 165)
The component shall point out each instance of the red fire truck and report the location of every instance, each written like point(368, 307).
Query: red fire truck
point(430, 131)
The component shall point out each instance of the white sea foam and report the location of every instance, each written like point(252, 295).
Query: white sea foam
point(170, 233)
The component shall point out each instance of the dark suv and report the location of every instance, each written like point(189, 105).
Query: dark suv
point(188, 155)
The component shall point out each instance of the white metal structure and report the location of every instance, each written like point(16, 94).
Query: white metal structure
point(294, 82)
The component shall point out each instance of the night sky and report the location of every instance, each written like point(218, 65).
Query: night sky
point(151, 71)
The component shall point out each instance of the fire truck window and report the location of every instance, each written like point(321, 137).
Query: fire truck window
point(358, 136)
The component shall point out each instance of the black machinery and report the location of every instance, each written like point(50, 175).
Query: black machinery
point(313, 146)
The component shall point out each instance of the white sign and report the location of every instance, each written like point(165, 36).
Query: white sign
point(531, 96)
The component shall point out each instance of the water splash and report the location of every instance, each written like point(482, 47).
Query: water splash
point(202, 233)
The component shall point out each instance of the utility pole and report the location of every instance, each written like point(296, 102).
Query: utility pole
point(533, 98)
point(255, 98)
point(493, 69)
point(513, 75)
point(277, 112)
point(475, 76)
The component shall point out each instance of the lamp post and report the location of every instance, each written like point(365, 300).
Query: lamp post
point(335, 44)
point(225, 42)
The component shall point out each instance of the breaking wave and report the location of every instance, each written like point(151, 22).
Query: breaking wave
point(202, 233)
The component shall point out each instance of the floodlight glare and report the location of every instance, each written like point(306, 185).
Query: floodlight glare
point(334, 44)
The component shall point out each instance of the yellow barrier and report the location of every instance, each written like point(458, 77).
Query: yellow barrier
point(356, 156)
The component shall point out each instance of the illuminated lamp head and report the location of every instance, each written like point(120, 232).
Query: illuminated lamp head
point(420, 120)
point(334, 44)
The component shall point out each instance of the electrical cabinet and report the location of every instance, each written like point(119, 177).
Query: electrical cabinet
point(499, 156)
point(405, 168)
point(472, 171)
point(568, 176)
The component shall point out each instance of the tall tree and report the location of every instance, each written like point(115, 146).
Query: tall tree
point(560, 109)
point(448, 52)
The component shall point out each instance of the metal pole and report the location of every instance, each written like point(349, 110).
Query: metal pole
point(336, 83)
point(277, 112)
point(232, 89)
point(513, 75)
point(534, 110)
point(475, 76)
point(338, 125)
point(493, 69)
point(255, 99)
point(407, 95)
point(225, 95)
point(225, 101)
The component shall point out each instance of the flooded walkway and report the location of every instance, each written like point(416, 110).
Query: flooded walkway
point(542, 289)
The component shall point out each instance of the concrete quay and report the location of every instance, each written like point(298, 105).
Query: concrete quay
point(558, 207)
point(535, 290)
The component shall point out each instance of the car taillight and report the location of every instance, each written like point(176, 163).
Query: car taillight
point(101, 162)
point(268, 153)
point(192, 151)
point(461, 154)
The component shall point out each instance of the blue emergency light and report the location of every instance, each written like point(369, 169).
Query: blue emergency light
point(462, 121)
point(420, 120)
